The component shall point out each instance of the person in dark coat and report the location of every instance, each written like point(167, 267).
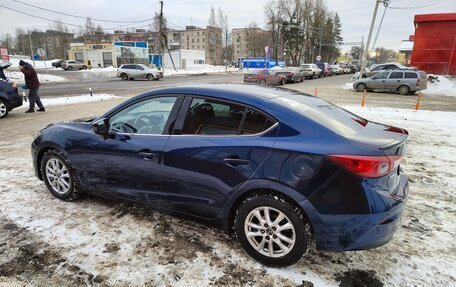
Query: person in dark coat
point(33, 84)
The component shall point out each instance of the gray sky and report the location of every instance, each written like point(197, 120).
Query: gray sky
point(355, 14)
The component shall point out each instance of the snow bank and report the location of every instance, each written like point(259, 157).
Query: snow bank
point(38, 64)
point(18, 77)
point(347, 86)
point(206, 69)
point(446, 86)
point(47, 102)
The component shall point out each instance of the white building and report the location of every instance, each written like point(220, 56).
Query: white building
point(185, 59)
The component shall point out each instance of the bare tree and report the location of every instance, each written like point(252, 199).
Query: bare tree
point(212, 19)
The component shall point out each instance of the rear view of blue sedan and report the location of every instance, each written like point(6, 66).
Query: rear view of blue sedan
point(277, 167)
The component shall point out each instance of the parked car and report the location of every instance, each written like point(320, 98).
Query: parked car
point(336, 70)
point(402, 81)
point(71, 65)
point(327, 70)
point(311, 70)
point(9, 97)
point(369, 72)
point(280, 168)
point(264, 77)
point(352, 69)
point(345, 68)
point(292, 74)
point(58, 63)
point(138, 71)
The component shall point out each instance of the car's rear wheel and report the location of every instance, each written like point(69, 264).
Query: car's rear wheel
point(283, 81)
point(404, 90)
point(272, 230)
point(361, 87)
point(59, 176)
point(84, 67)
point(124, 76)
point(3, 109)
point(70, 68)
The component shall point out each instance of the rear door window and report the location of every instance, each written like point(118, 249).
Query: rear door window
point(256, 122)
point(396, 75)
point(209, 117)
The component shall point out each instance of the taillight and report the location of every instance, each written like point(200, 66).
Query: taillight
point(14, 85)
point(418, 82)
point(290, 73)
point(367, 166)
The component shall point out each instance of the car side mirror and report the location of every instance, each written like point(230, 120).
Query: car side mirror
point(101, 126)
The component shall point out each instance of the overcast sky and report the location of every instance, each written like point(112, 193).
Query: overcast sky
point(355, 14)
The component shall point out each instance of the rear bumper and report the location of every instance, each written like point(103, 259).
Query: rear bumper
point(16, 101)
point(344, 232)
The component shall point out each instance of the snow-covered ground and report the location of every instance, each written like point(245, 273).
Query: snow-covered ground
point(44, 241)
point(18, 77)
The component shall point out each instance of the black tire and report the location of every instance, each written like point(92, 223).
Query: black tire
point(4, 109)
point(150, 77)
point(294, 216)
point(361, 87)
point(403, 90)
point(283, 81)
point(124, 76)
point(73, 192)
point(263, 82)
point(70, 68)
point(84, 67)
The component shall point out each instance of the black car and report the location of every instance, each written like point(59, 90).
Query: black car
point(9, 97)
point(58, 63)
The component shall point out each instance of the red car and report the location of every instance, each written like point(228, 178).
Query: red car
point(264, 77)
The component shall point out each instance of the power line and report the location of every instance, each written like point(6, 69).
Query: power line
point(433, 2)
point(81, 17)
point(380, 26)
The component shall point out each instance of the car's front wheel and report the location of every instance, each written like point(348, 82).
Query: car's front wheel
point(283, 81)
point(58, 175)
point(3, 109)
point(361, 87)
point(150, 77)
point(272, 230)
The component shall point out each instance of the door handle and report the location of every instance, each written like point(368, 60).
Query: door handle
point(147, 155)
point(398, 81)
point(383, 81)
point(234, 162)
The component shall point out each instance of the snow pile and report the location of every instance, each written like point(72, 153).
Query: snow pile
point(205, 69)
point(347, 86)
point(446, 86)
point(47, 102)
point(110, 72)
point(18, 77)
point(38, 64)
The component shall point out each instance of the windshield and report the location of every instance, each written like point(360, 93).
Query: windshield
point(305, 66)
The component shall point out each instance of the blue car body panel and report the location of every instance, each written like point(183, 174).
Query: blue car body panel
point(191, 178)
point(10, 95)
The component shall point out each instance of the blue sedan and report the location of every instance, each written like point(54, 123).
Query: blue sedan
point(277, 167)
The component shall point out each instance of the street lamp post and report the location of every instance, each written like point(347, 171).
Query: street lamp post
point(284, 54)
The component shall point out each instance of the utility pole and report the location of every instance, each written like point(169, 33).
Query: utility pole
point(362, 49)
point(321, 40)
point(226, 49)
point(31, 49)
point(160, 27)
point(366, 51)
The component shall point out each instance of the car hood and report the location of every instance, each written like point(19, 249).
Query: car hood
point(82, 120)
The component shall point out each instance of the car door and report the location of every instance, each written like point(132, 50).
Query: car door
point(141, 72)
point(216, 146)
point(126, 163)
point(394, 80)
point(378, 81)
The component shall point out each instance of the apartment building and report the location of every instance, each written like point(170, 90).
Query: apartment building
point(250, 42)
point(207, 39)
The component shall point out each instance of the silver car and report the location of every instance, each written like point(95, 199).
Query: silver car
point(402, 81)
point(138, 71)
point(71, 65)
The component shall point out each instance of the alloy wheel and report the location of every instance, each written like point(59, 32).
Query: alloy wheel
point(58, 176)
point(270, 232)
point(3, 109)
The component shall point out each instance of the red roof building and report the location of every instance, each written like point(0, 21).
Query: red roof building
point(434, 50)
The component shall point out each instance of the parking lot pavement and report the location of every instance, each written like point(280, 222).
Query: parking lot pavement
point(47, 242)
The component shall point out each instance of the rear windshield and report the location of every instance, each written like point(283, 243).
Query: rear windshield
point(331, 116)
